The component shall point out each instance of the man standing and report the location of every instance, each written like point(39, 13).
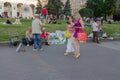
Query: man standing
point(95, 31)
point(36, 30)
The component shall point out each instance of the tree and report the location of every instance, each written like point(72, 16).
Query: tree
point(96, 6)
point(101, 7)
point(50, 7)
point(67, 8)
point(116, 15)
point(86, 12)
point(55, 7)
point(109, 7)
point(58, 7)
point(38, 8)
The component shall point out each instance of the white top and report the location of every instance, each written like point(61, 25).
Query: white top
point(36, 26)
point(95, 26)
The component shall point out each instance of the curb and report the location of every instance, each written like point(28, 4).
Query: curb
point(6, 43)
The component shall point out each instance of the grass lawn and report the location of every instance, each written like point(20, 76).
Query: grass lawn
point(6, 30)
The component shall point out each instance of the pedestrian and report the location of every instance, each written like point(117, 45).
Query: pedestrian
point(36, 30)
point(70, 47)
point(79, 28)
point(95, 29)
point(44, 14)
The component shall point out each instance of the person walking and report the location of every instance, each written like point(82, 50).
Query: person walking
point(36, 30)
point(79, 27)
point(70, 47)
point(95, 29)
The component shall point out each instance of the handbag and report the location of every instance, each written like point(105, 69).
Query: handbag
point(82, 36)
point(67, 34)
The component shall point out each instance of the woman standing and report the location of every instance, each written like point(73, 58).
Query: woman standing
point(69, 43)
point(79, 27)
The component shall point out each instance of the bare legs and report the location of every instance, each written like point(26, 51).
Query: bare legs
point(76, 46)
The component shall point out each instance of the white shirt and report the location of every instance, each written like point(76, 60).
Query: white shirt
point(95, 26)
point(36, 26)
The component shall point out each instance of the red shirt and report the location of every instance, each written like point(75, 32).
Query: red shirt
point(44, 35)
point(44, 11)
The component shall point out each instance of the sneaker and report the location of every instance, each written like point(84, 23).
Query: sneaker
point(34, 49)
point(66, 53)
point(41, 49)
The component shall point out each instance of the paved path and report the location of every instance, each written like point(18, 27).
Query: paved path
point(97, 62)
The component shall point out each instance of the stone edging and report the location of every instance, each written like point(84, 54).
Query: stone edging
point(88, 40)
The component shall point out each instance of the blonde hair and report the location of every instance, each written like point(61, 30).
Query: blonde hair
point(77, 16)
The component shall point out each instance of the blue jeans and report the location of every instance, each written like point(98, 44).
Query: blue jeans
point(37, 41)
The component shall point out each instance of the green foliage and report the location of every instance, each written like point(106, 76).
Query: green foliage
point(101, 7)
point(86, 12)
point(109, 7)
point(38, 8)
point(67, 8)
point(50, 7)
point(55, 6)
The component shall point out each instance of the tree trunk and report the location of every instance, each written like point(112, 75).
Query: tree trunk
point(57, 12)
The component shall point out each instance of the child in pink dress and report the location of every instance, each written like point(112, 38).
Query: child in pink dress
point(69, 42)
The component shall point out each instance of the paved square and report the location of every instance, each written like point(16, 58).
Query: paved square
point(97, 62)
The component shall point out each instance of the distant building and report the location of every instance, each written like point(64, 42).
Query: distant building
point(26, 8)
point(17, 8)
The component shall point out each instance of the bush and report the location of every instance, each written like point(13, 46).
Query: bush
point(86, 12)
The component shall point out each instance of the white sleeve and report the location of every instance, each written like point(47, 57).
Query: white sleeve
point(40, 22)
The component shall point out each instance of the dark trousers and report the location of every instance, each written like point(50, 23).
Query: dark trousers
point(95, 36)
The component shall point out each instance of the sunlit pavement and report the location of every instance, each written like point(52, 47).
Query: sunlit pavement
point(97, 62)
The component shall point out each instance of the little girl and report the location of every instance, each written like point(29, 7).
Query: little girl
point(69, 42)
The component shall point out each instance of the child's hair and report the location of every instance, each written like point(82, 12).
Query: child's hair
point(72, 18)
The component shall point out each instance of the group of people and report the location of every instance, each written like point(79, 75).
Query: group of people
point(75, 26)
point(52, 20)
point(37, 34)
